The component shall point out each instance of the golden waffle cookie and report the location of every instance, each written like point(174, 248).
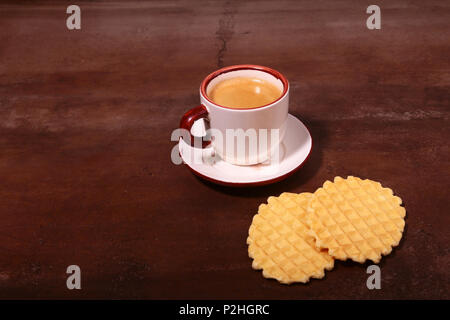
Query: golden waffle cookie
point(356, 219)
point(279, 242)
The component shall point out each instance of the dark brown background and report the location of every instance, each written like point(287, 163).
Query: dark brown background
point(85, 123)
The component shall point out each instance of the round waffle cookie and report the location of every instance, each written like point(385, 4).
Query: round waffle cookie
point(356, 219)
point(279, 242)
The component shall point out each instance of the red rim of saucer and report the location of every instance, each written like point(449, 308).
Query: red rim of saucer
point(216, 73)
point(256, 183)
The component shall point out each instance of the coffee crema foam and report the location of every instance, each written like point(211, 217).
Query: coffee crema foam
point(244, 92)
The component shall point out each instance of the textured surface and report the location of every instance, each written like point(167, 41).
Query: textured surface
point(280, 243)
point(85, 124)
point(356, 219)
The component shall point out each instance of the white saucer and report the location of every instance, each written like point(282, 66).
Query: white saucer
point(295, 150)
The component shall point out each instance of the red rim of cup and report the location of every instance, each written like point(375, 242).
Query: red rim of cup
point(216, 73)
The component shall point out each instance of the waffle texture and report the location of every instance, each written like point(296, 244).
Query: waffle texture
point(279, 241)
point(356, 219)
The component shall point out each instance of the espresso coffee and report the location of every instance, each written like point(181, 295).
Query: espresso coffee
point(243, 92)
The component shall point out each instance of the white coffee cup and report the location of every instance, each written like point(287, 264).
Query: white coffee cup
point(267, 122)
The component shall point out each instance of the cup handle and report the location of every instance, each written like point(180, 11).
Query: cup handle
point(188, 120)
